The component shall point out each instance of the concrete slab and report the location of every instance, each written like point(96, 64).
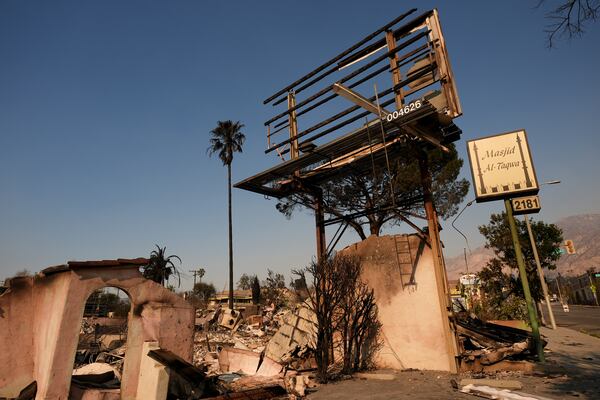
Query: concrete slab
point(238, 360)
point(269, 367)
point(154, 377)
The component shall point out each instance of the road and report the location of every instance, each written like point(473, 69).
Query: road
point(581, 318)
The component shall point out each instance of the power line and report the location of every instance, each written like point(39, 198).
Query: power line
point(197, 273)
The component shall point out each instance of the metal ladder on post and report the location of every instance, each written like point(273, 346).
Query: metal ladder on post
point(404, 260)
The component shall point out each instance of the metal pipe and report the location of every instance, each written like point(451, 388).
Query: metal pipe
point(559, 291)
point(540, 272)
point(406, 58)
point(343, 54)
point(423, 114)
point(333, 96)
point(347, 111)
point(362, 115)
point(399, 33)
point(456, 229)
point(337, 237)
point(308, 84)
point(351, 75)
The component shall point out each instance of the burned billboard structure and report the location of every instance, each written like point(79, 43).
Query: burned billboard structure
point(390, 95)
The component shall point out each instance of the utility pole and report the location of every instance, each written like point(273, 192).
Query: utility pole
point(540, 272)
point(558, 287)
point(197, 273)
point(535, 330)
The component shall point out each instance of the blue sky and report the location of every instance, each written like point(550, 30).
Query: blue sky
point(106, 108)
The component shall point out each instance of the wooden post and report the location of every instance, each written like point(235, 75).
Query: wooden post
point(438, 263)
point(320, 226)
point(396, 76)
point(293, 126)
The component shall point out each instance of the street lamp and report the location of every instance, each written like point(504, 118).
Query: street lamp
point(538, 265)
point(462, 234)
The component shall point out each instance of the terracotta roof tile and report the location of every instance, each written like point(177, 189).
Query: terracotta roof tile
point(119, 262)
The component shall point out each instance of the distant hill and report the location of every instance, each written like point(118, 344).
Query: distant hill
point(583, 230)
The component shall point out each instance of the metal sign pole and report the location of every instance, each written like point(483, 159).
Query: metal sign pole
point(535, 331)
point(540, 273)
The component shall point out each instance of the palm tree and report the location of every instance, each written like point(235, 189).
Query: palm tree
point(227, 139)
point(160, 267)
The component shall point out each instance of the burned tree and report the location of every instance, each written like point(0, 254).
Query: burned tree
point(325, 296)
point(356, 317)
point(272, 288)
point(569, 18)
point(375, 197)
point(201, 294)
point(245, 282)
point(255, 286)
point(345, 305)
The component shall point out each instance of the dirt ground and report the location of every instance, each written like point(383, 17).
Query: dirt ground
point(572, 370)
point(406, 385)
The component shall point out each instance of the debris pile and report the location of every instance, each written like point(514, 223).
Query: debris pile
point(102, 340)
point(246, 353)
point(486, 346)
point(264, 353)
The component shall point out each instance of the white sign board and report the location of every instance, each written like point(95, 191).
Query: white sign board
point(469, 279)
point(501, 166)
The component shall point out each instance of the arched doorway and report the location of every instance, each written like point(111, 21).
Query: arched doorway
point(101, 348)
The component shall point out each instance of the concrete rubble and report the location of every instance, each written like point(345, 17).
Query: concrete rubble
point(267, 355)
point(164, 349)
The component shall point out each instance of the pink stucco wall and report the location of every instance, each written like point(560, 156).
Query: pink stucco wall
point(42, 315)
point(415, 327)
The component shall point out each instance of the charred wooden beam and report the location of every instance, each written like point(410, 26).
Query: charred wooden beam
point(352, 58)
point(341, 55)
point(347, 111)
point(376, 61)
point(333, 96)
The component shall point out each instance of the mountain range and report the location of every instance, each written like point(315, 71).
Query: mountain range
point(583, 230)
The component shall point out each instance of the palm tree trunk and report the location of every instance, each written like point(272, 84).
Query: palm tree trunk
point(230, 238)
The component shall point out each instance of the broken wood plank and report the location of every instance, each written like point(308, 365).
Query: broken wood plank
point(503, 352)
point(481, 339)
point(178, 364)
